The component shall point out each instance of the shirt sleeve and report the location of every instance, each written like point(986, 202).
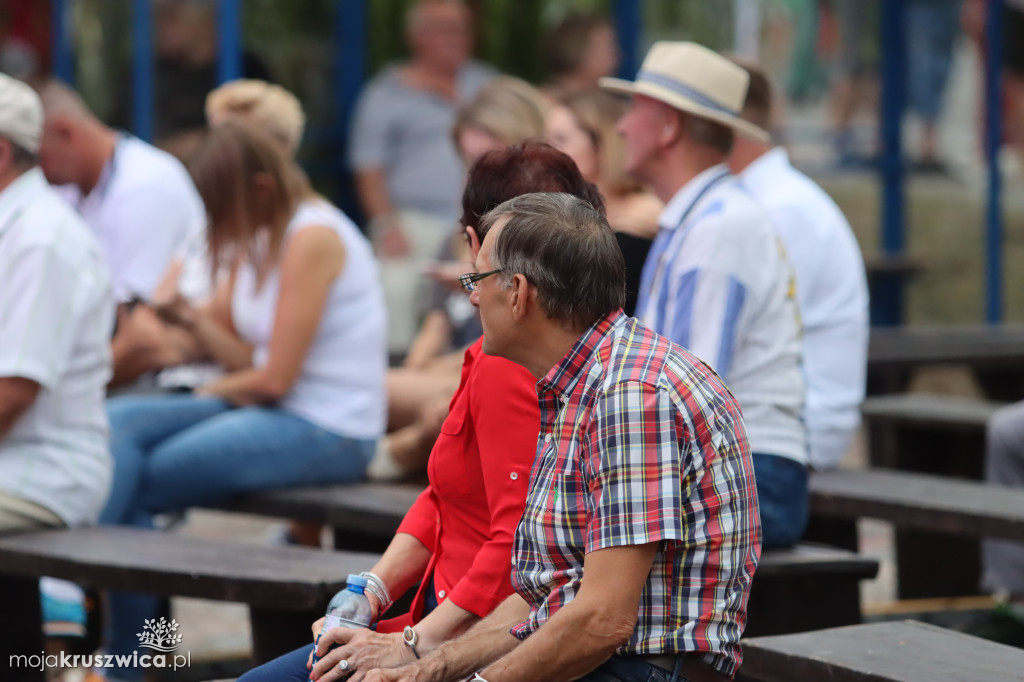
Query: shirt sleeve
point(705, 316)
point(421, 520)
point(636, 474)
point(506, 419)
point(39, 301)
point(371, 127)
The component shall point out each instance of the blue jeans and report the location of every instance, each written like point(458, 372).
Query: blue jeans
point(175, 451)
point(292, 668)
point(782, 495)
point(624, 669)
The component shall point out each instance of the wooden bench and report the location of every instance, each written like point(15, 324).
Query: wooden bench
point(928, 433)
point(940, 435)
point(286, 588)
point(903, 651)
point(994, 353)
point(789, 590)
point(939, 522)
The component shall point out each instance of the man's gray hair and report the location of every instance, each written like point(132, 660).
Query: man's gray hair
point(565, 248)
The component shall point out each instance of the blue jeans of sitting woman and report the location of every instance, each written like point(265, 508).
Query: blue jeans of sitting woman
point(175, 451)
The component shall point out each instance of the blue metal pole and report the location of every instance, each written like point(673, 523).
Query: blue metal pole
point(887, 308)
point(229, 40)
point(993, 139)
point(628, 26)
point(350, 28)
point(63, 53)
point(142, 69)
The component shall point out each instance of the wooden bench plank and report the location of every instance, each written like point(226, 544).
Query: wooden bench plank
point(903, 651)
point(922, 410)
point(280, 578)
point(926, 502)
point(810, 559)
point(367, 507)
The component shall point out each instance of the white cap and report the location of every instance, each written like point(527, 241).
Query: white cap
point(21, 113)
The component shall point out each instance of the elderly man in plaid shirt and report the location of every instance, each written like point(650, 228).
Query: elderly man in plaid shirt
point(643, 480)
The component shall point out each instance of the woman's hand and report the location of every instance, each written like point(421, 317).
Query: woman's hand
point(177, 311)
point(363, 649)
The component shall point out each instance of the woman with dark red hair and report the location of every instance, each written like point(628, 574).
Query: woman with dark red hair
point(456, 541)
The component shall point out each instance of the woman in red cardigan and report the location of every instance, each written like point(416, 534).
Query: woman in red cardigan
point(456, 541)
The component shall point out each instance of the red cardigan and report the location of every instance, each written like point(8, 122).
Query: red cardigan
point(479, 472)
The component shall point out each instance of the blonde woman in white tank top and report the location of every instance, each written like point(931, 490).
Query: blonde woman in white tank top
point(300, 327)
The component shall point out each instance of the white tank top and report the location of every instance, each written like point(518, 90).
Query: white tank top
point(341, 385)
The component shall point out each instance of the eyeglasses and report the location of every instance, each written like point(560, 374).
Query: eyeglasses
point(469, 280)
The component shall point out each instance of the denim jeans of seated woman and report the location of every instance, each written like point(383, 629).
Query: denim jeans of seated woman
point(291, 667)
point(783, 498)
point(175, 451)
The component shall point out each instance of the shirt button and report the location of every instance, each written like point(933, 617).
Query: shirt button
point(441, 594)
point(547, 438)
point(514, 476)
point(565, 398)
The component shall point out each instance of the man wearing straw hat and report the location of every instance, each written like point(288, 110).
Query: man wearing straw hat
point(716, 280)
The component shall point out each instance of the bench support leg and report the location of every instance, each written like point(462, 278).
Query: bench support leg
point(21, 626)
point(784, 604)
point(278, 632)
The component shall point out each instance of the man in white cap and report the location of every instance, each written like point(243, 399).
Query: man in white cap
point(832, 286)
point(56, 317)
point(138, 200)
point(716, 280)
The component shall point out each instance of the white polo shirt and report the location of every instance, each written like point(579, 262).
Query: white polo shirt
point(833, 294)
point(717, 282)
point(143, 210)
point(56, 318)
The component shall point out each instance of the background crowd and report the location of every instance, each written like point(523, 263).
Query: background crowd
point(197, 321)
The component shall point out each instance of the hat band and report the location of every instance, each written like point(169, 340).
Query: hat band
point(686, 91)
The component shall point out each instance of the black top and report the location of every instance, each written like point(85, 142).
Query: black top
point(634, 252)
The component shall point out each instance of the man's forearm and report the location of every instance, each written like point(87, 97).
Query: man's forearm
point(16, 397)
point(485, 642)
point(570, 645)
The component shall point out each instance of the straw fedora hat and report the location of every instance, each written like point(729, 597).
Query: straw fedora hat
point(694, 79)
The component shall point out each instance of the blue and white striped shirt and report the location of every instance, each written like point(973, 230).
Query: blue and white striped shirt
point(717, 282)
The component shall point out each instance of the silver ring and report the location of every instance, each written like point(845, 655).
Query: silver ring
point(343, 665)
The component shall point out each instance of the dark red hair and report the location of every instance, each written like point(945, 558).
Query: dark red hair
point(504, 174)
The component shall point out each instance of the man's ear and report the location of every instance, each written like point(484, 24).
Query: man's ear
point(522, 297)
point(474, 240)
point(670, 129)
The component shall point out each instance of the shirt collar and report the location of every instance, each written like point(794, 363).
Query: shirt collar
point(14, 196)
point(764, 168)
point(676, 208)
point(563, 377)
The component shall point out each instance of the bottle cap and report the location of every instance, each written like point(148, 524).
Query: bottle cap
point(355, 580)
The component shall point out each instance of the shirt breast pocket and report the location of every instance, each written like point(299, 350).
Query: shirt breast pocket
point(455, 443)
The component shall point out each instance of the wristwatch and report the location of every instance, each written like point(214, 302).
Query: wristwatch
point(411, 638)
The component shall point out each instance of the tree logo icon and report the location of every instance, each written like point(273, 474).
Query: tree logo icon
point(159, 635)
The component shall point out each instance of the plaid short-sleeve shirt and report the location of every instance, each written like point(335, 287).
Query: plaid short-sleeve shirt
point(641, 442)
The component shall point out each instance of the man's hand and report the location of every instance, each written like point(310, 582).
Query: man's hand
point(407, 673)
point(363, 649)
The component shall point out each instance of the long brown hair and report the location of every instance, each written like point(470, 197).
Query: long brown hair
point(597, 112)
point(248, 186)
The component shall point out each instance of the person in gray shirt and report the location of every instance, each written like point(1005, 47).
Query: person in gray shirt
point(408, 174)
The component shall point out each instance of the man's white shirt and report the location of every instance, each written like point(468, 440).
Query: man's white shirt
point(143, 211)
point(56, 318)
point(833, 295)
point(717, 282)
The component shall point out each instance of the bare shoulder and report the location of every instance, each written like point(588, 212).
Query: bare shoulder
point(635, 213)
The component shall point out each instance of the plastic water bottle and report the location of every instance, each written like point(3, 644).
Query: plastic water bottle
point(349, 608)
